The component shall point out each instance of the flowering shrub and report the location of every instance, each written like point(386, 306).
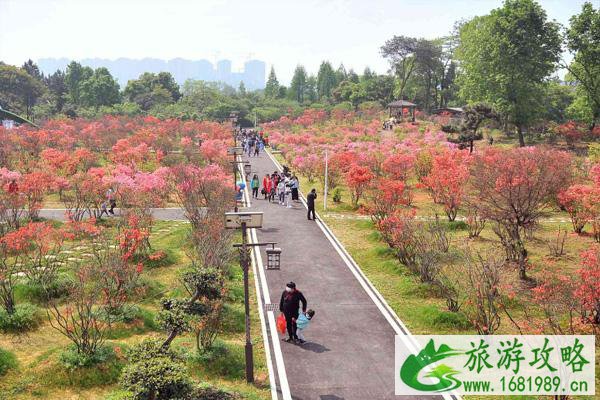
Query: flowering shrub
point(447, 180)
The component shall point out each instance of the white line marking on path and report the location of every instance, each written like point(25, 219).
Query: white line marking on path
point(265, 298)
point(388, 313)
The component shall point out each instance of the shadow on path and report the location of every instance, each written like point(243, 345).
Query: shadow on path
point(314, 347)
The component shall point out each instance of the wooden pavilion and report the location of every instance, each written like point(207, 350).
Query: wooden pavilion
point(397, 109)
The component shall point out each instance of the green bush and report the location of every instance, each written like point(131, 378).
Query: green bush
point(224, 360)
point(7, 361)
point(454, 320)
point(211, 393)
point(104, 368)
point(132, 321)
point(457, 226)
point(25, 318)
point(155, 372)
point(37, 293)
point(72, 359)
point(337, 195)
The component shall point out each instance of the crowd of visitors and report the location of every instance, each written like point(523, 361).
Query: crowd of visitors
point(252, 142)
point(280, 187)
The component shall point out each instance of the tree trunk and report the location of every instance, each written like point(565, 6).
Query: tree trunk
point(167, 342)
point(521, 138)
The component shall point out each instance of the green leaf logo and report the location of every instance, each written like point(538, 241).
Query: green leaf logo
point(409, 372)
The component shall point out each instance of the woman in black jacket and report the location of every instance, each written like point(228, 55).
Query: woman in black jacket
point(289, 305)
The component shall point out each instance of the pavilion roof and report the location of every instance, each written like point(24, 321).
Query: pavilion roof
point(401, 103)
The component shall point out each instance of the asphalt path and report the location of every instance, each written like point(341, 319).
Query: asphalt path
point(349, 352)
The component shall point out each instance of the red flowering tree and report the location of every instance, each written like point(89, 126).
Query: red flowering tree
point(38, 245)
point(116, 269)
point(34, 186)
point(383, 197)
point(80, 193)
point(571, 132)
point(588, 290)
point(513, 188)
point(403, 234)
point(205, 194)
point(307, 165)
point(79, 319)
point(357, 179)
point(10, 265)
point(576, 201)
point(399, 166)
point(447, 180)
point(12, 202)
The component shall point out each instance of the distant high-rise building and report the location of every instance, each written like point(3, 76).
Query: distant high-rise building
point(254, 74)
point(224, 71)
point(125, 69)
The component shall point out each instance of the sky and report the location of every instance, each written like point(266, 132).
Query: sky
point(283, 33)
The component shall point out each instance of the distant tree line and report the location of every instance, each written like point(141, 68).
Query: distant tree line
point(505, 60)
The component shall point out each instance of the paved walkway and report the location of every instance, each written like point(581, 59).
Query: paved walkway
point(350, 349)
point(167, 214)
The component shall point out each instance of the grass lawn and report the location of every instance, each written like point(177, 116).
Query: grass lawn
point(40, 375)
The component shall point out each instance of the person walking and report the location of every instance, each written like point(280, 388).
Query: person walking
point(302, 323)
point(295, 188)
point(254, 185)
point(288, 192)
point(251, 144)
point(103, 209)
point(289, 306)
point(110, 197)
point(310, 202)
point(266, 190)
point(257, 148)
point(281, 191)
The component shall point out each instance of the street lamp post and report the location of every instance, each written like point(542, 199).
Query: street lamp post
point(244, 221)
point(245, 261)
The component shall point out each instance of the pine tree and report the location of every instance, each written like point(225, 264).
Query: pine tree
point(272, 87)
point(326, 80)
point(297, 90)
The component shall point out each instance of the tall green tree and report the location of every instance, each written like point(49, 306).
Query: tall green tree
point(166, 80)
point(242, 89)
point(326, 80)
point(310, 93)
point(272, 87)
point(57, 89)
point(400, 51)
point(583, 41)
point(151, 90)
point(32, 69)
point(353, 76)
point(18, 90)
point(75, 75)
point(506, 58)
point(341, 74)
point(367, 74)
point(100, 89)
point(297, 90)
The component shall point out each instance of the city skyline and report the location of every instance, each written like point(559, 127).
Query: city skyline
point(124, 69)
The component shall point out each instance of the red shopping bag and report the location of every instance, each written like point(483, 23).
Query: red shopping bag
point(281, 324)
